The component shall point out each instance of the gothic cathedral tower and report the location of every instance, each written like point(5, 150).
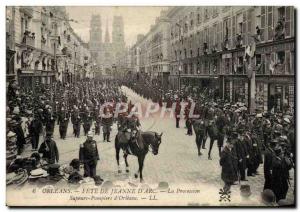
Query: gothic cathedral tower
point(118, 35)
point(95, 38)
point(104, 52)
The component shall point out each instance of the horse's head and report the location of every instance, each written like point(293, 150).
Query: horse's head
point(155, 143)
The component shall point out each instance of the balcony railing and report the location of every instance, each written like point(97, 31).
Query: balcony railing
point(27, 10)
point(46, 48)
point(28, 39)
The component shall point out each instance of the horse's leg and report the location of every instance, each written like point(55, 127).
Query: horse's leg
point(200, 139)
point(197, 143)
point(117, 154)
point(204, 139)
point(126, 162)
point(220, 143)
point(212, 140)
point(141, 164)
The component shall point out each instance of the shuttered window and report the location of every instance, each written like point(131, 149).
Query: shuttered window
point(210, 37)
point(263, 64)
point(288, 21)
point(233, 40)
point(215, 31)
point(220, 39)
point(229, 32)
point(201, 42)
point(263, 23)
point(287, 62)
point(273, 58)
point(249, 23)
point(244, 36)
point(270, 23)
point(292, 63)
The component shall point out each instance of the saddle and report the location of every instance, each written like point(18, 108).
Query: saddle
point(129, 139)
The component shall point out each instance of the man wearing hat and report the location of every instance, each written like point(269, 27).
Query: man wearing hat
point(280, 174)
point(35, 129)
point(49, 149)
point(63, 122)
point(242, 153)
point(177, 112)
point(268, 158)
point(267, 132)
point(255, 156)
point(106, 121)
point(89, 156)
point(87, 121)
point(50, 120)
point(229, 172)
point(291, 139)
point(16, 128)
point(220, 124)
point(76, 121)
point(11, 145)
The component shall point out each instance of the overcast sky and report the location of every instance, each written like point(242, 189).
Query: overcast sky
point(136, 20)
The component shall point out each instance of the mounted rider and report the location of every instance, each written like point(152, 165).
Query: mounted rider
point(130, 126)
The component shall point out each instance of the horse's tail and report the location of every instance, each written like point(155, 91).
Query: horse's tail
point(116, 141)
point(117, 148)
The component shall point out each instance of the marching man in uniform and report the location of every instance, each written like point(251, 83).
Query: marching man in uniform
point(89, 156)
point(106, 121)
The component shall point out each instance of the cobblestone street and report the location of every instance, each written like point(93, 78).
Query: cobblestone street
point(176, 163)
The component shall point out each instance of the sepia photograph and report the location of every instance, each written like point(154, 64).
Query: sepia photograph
point(150, 106)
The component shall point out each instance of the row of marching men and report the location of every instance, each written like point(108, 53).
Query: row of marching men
point(32, 113)
point(244, 140)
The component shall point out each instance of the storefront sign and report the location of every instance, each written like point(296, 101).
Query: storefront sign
point(225, 56)
point(275, 48)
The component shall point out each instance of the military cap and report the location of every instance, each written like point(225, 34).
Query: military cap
point(11, 134)
point(48, 134)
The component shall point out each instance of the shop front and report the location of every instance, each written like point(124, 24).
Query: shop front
point(28, 79)
point(281, 97)
point(210, 85)
point(236, 89)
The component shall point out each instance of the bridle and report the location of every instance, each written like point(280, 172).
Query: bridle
point(151, 147)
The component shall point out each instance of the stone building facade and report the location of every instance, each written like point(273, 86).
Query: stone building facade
point(151, 52)
point(44, 46)
point(208, 47)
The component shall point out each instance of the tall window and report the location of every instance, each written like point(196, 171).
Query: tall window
point(263, 23)
point(205, 13)
point(281, 13)
point(215, 32)
point(225, 28)
point(288, 21)
point(22, 25)
point(270, 23)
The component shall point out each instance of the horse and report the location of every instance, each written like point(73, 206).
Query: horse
point(213, 134)
point(200, 132)
point(145, 141)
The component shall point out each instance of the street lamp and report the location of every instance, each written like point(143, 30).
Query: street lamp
point(179, 79)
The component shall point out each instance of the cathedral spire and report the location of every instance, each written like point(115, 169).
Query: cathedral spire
point(106, 32)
